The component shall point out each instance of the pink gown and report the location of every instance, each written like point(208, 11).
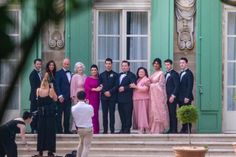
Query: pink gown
point(158, 111)
point(94, 100)
point(141, 105)
point(77, 84)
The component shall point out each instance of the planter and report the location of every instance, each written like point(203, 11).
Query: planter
point(234, 145)
point(190, 151)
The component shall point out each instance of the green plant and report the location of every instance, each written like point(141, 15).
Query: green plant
point(186, 115)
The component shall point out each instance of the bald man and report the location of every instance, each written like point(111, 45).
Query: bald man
point(63, 78)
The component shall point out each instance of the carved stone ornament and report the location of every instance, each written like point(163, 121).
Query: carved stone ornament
point(56, 36)
point(185, 11)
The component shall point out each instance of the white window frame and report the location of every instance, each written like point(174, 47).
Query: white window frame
point(227, 10)
point(123, 8)
point(15, 112)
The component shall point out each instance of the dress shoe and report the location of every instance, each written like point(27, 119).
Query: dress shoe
point(50, 154)
point(183, 132)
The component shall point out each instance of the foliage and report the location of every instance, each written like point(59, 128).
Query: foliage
point(187, 114)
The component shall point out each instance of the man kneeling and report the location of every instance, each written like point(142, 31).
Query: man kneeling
point(82, 114)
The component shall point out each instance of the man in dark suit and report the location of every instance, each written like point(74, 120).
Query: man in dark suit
point(172, 90)
point(125, 96)
point(185, 89)
point(35, 81)
point(63, 78)
point(108, 80)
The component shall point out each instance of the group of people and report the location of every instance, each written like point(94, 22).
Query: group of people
point(146, 103)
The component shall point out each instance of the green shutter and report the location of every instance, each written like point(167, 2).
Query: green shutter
point(209, 66)
point(79, 34)
point(162, 28)
point(28, 19)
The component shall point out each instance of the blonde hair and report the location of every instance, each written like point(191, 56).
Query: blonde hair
point(45, 81)
point(76, 66)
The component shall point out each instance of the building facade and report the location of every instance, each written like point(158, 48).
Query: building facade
point(204, 31)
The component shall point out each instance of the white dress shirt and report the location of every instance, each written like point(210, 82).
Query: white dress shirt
point(68, 75)
point(121, 77)
point(82, 114)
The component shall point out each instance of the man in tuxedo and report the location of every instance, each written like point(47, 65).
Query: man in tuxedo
point(172, 90)
point(63, 78)
point(108, 81)
point(125, 96)
point(35, 81)
point(185, 89)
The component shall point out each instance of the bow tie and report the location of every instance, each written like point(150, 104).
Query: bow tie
point(38, 71)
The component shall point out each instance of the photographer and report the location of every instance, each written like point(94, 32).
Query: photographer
point(8, 133)
point(82, 114)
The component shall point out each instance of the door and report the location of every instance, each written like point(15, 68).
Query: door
point(229, 113)
point(209, 66)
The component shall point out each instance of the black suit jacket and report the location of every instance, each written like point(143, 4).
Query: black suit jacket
point(62, 84)
point(186, 85)
point(34, 84)
point(127, 95)
point(172, 83)
point(109, 83)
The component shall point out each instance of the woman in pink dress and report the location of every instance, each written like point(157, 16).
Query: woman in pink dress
point(76, 85)
point(158, 112)
point(92, 90)
point(77, 81)
point(141, 101)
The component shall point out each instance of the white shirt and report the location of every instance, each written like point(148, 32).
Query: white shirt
point(68, 75)
point(82, 114)
point(121, 77)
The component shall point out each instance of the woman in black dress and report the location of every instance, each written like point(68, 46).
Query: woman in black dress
point(51, 70)
point(8, 133)
point(47, 117)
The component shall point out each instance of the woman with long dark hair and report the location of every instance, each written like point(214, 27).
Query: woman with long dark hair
point(158, 116)
point(51, 69)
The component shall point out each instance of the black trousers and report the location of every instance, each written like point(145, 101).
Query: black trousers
point(125, 111)
point(172, 115)
point(7, 147)
point(108, 106)
point(185, 126)
point(34, 123)
point(65, 109)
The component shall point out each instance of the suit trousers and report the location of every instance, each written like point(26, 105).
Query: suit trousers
point(185, 126)
point(108, 106)
point(34, 123)
point(86, 136)
point(125, 111)
point(172, 115)
point(65, 109)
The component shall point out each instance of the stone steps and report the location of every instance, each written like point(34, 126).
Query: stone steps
point(137, 145)
point(147, 137)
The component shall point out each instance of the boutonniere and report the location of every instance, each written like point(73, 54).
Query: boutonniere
point(111, 75)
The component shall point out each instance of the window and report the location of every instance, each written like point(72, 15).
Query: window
point(7, 65)
point(122, 34)
point(230, 61)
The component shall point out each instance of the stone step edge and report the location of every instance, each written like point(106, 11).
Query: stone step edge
point(137, 142)
point(143, 135)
